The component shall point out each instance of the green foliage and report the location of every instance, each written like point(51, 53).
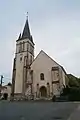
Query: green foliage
point(66, 80)
point(73, 81)
point(73, 88)
point(74, 94)
point(66, 91)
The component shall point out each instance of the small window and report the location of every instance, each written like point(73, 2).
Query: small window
point(20, 47)
point(47, 83)
point(20, 58)
point(37, 84)
point(27, 46)
point(30, 59)
point(42, 76)
point(23, 46)
point(31, 49)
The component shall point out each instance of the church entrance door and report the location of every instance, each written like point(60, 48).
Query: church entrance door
point(43, 91)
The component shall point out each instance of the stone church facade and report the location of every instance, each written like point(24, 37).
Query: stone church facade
point(41, 77)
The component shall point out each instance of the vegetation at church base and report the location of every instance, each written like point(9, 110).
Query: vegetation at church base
point(73, 94)
point(73, 81)
point(72, 91)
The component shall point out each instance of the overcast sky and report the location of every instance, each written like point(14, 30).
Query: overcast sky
point(54, 24)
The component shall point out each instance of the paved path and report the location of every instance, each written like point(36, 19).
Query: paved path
point(37, 110)
point(75, 114)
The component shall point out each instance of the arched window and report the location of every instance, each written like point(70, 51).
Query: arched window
point(42, 76)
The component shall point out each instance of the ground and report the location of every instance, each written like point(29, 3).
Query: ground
point(39, 110)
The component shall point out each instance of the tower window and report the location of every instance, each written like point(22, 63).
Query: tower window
point(42, 76)
point(20, 58)
point(23, 46)
point(30, 59)
point(31, 49)
point(27, 46)
point(20, 47)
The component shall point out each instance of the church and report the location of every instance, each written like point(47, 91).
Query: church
point(40, 77)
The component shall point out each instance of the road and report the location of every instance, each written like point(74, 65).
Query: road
point(37, 110)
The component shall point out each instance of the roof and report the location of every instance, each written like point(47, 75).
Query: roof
point(26, 33)
point(63, 70)
point(26, 30)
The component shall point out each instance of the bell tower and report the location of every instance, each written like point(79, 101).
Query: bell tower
point(24, 56)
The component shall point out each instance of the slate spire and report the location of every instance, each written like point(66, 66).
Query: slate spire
point(26, 30)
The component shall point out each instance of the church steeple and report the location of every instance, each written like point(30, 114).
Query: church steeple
point(26, 31)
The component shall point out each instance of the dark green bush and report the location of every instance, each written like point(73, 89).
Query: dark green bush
point(72, 93)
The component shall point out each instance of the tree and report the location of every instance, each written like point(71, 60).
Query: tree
point(73, 81)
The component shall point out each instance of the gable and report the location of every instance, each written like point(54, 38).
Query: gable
point(43, 60)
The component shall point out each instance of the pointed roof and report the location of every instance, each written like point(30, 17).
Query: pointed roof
point(26, 31)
